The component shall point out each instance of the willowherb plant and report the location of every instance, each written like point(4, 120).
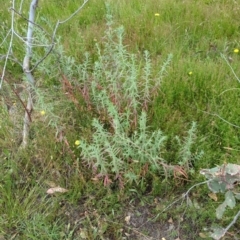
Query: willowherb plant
point(185, 154)
point(119, 154)
point(126, 83)
point(119, 88)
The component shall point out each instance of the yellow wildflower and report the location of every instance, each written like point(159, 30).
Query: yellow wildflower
point(157, 14)
point(42, 112)
point(77, 142)
point(236, 50)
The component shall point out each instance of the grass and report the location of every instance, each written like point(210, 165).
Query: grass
point(196, 33)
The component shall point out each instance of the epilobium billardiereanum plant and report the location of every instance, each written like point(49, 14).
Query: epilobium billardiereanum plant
point(185, 156)
point(119, 88)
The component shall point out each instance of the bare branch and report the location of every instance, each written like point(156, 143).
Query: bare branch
point(35, 24)
point(21, 4)
point(235, 75)
point(231, 223)
point(9, 47)
point(76, 12)
point(30, 78)
point(26, 61)
point(21, 101)
point(54, 34)
point(224, 120)
point(176, 201)
point(5, 38)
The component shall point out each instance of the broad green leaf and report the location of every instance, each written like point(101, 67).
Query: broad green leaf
point(210, 173)
point(220, 210)
point(237, 196)
point(231, 179)
point(216, 186)
point(230, 199)
point(232, 169)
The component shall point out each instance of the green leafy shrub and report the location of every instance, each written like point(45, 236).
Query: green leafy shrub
point(121, 91)
point(185, 156)
point(118, 88)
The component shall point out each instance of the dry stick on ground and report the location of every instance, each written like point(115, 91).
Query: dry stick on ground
point(230, 225)
point(184, 195)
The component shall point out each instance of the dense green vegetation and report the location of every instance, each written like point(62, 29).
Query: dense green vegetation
point(136, 98)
